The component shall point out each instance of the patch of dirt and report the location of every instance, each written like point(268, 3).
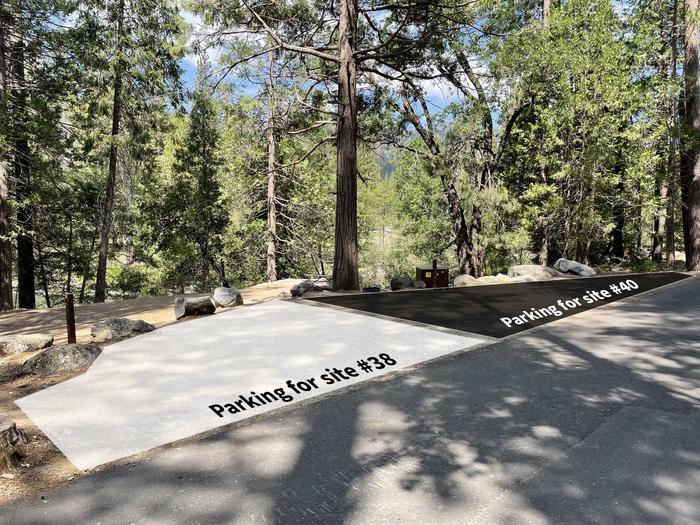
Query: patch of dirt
point(155, 310)
point(46, 467)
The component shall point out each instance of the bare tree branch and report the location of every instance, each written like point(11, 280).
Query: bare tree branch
point(299, 49)
point(312, 127)
point(308, 153)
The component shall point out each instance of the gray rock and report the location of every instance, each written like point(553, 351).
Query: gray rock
point(13, 344)
point(300, 289)
point(227, 297)
point(188, 307)
point(464, 279)
point(494, 279)
point(567, 266)
point(373, 288)
point(61, 358)
point(539, 272)
point(419, 284)
point(118, 328)
point(399, 283)
point(322, 284)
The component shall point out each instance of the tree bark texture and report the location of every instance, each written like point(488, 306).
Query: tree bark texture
point(6, 299)
point(345, 267)
point(22, 174)
point(13, 446)
point(108, 212)
point(690, 176)
point(271, 172)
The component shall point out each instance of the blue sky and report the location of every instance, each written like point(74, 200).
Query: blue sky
point(438, 94)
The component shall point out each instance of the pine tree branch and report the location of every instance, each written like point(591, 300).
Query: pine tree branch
point(298, 49)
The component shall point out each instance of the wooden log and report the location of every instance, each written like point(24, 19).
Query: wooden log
point(186, 307)
point(13, 446)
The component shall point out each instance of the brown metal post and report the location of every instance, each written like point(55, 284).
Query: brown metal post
point(434, 273)
point(70, 318)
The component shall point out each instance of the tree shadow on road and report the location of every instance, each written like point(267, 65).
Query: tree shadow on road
point(550, 427)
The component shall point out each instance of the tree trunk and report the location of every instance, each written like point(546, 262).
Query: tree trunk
point(101, 280)
point(691, 166)
point(672, 150)
point(13, 446)
point(640, 220)
point(345, 264)
point(22, 173)
point(219, 269)
point(459, 225)
point(542, 239)
point(659, 223)
point(69, 257)
point(86, 268)
point(6, 302)
point(42, 276)
point(568, 219)
point(617, 245)
point(670, 227)
point(546, 9)
point(542, 232)
point(271, 165)
point(476, 252)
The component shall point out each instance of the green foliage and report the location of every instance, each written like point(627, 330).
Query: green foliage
point(182, 206)
point(594, 139)
point(127, 280)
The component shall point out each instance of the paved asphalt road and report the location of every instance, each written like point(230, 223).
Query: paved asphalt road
point(593, 419)
point(479, 309)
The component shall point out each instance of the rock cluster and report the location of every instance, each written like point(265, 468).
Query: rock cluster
point(400, 283)
point(539, 272)
point(312, 285)
point(464, 280)
point(527, 273)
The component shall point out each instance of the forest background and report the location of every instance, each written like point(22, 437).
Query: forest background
point(154, 147)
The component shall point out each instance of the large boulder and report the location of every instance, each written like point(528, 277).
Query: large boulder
point(61, 358)
point(118, 328)
point(13, 344)
point(567, 266)
point(227, 297)
point(419, 284)
point(464, 280)
point(399, 283)
point(193, 306)
point(539, 272)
